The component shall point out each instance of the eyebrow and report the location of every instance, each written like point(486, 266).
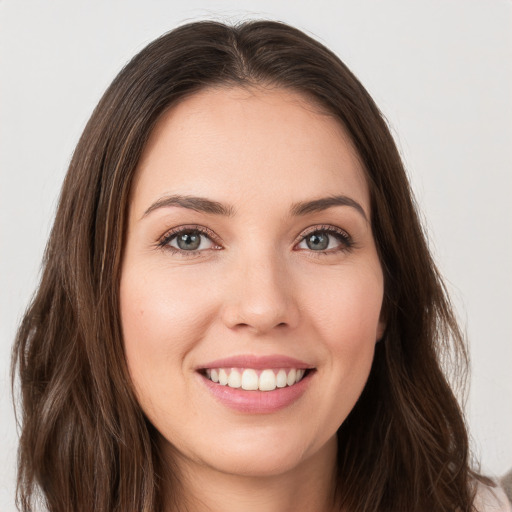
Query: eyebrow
point(317, 205)
point(202, 204)
point(199, 204)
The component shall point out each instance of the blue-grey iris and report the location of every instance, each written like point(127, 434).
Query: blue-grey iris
point(317, 242)
point(189, 241)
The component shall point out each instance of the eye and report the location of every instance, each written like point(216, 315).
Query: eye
point(188, 240)
point(326, 240)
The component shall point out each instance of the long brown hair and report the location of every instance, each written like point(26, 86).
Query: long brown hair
point(85, 444)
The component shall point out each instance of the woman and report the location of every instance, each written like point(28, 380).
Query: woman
point(238, 309)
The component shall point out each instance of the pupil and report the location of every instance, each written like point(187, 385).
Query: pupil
point(189, 241)
point(317, 242)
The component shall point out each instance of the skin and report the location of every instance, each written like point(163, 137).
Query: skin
point(255, 288)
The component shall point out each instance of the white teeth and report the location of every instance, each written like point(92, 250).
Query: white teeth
point(248, 379)
point(223, 377)
point(281, 379)
point(267, 380)
point(235, 379)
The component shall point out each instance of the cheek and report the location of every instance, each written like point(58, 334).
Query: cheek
point(347, 304)
point(345, 311)
point(160, 324)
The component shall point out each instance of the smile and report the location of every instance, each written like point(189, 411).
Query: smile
point(251, 384)
point(250, 379)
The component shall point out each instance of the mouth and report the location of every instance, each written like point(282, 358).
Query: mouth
point(252, 384)
point(256, 379)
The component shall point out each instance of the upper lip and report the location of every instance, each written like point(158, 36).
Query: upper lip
point(257, 362)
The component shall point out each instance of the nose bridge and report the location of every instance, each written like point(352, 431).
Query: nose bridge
point(262, 292)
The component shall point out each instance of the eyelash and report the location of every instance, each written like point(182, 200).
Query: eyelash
point(342, 236)
point(166, 239)
point(346, 242)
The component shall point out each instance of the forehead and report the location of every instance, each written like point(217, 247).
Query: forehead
point(238, 144)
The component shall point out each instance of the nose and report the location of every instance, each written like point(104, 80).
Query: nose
point(260, 296)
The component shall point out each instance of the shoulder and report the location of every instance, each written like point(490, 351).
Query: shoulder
point(491, 499)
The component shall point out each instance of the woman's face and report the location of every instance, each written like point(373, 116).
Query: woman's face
point(249, 265)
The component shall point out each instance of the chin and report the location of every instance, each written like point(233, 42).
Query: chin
point(267, 452)
point(256, 464)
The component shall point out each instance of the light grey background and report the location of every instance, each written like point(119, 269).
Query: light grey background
point(441, 71)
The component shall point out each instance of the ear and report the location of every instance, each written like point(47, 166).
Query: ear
point(381, 327)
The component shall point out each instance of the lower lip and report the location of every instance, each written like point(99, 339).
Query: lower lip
point(258, 402)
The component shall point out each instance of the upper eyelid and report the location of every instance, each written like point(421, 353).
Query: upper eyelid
point(323, 227)
point(169, 234)
point(333, 230)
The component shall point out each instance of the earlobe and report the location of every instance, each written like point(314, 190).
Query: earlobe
point(381, 328)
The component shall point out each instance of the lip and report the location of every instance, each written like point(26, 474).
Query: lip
point(257, 402)
point(257, 362)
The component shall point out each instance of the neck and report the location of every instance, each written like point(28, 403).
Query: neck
point(309, 487)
